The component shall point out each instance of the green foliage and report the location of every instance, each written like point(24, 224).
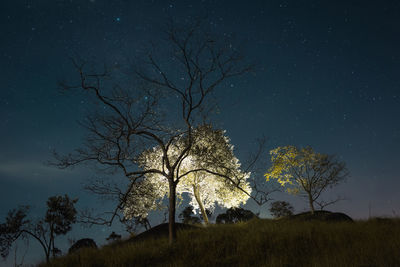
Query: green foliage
point(258, 243)
point(281, 209)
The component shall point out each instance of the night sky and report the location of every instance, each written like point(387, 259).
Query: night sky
point(327, 75)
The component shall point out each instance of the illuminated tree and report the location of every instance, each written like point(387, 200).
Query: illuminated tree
point(305, 172)
point(202, 173)
point(166, 100)
point(60, 215)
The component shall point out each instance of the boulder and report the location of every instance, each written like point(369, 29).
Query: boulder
point(322, 215)
point(82, 243)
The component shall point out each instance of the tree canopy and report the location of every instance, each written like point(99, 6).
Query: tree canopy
point(210, 174)
point(159, 108)
point(234, 215)
point(281, 209)
point(306, 172)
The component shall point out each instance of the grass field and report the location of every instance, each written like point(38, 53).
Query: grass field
point(258, 242)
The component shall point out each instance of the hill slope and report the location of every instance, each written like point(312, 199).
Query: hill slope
point(258, 243)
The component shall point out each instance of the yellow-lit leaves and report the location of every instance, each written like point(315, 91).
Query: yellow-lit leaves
point(287, 161)
point(303, 170)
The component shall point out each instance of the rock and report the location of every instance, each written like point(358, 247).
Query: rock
point(338, 217)
point(82, 243)
point(322, 215)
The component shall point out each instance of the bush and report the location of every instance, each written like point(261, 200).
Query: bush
point(281, 209)
point(234, 215)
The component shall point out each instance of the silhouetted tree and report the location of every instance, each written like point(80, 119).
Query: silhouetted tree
point(281, 209)
point(59, 217)
point(169, 103)
point(305, 172)
point(187, 216)
point(234, 215)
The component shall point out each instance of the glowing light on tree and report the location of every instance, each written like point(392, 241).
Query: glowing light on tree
point(305, 172)
point(201, 174)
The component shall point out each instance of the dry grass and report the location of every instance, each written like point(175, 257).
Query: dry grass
point(259, 243)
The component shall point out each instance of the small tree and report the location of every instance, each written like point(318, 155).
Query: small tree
point(60, 215)
point(187, 216)
point(305, 172)
point(234, 215)
point(281, 209)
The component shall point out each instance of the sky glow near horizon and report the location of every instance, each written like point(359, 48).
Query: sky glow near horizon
point(327, 76)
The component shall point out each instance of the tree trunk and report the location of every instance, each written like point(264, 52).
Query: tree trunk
point(172, 209)
point(47, 256)
point(147, 225)
point(51, 246)
point(311, 202)
point(198, 199)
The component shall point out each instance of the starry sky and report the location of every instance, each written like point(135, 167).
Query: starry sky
point(327, 75)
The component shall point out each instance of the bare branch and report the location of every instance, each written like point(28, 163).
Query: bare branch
point(129, 122)
point(322, 204)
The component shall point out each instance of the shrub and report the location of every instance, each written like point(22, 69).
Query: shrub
point(281, 209)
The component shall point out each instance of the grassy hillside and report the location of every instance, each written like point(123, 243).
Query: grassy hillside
point(258, 243)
